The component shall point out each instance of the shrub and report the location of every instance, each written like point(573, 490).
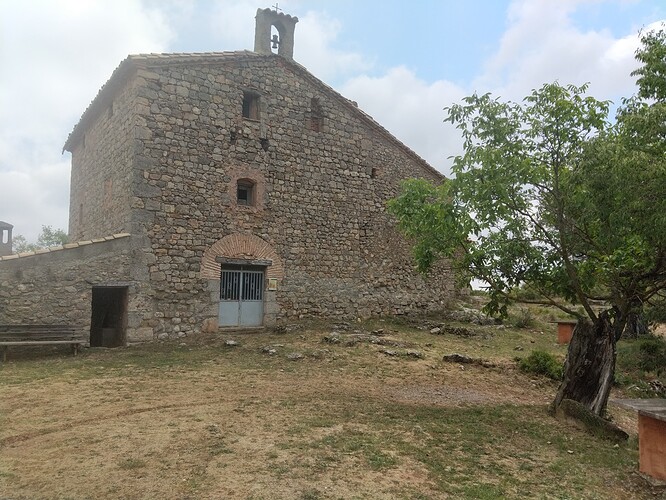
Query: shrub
point(652, 355)
point(541, 363)
point(524, 293)
point(523, 318)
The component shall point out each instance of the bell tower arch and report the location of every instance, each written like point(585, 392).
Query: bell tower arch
point(285, 26)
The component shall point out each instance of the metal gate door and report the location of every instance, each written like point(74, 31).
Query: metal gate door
point(241, 298)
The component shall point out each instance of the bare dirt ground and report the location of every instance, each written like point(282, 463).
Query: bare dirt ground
point(199, 419)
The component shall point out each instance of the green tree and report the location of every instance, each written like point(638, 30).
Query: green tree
point(548, 194)
point(49, 237)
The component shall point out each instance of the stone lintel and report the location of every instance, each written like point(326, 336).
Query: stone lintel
point(243, 262)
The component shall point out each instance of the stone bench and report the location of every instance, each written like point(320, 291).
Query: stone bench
point(651, 435)
point(32, 335)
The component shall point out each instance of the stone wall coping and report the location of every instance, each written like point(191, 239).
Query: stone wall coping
point(67, 246)
point(133, 63)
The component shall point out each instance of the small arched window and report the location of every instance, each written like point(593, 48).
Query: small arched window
point(245, 192)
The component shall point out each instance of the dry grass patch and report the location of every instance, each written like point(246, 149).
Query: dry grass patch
point(200, 419)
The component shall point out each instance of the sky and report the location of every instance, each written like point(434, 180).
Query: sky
point(402, 61)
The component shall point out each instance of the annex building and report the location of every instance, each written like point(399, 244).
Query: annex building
point(224, 189)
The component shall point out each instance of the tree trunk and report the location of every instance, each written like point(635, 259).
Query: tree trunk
point(590, 365)
point(636, 325)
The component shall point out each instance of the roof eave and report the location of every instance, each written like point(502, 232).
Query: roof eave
point(101, 101)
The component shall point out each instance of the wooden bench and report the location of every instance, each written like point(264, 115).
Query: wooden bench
point(651, 435)
point(27, 335)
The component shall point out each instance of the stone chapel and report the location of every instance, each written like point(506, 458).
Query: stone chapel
point(224, 190)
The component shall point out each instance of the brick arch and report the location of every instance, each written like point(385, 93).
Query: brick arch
point(242, 246)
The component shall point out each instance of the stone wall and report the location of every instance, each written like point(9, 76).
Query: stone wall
point(160, 152)
point(103, 160)
point(55, 287)
point(323, 190)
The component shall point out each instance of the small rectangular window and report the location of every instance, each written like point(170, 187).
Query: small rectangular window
point(315, 118)
point(250, 105)
point(244, 192)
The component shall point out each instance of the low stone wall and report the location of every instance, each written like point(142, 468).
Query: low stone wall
point(55, 286)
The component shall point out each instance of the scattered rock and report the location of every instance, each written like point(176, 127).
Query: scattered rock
point(231, 343)
point(280, 329)
point(460, 331)
point(378, 332)
point(658, 387)
point(320, 353)
point(415, 354)
point(332, 338)
point(467, 315)
point(460, 358)
point(457, 358)
point(294, 356)
point(390, 353)
point(269, 350)
point(389, 342)
point(518, 348)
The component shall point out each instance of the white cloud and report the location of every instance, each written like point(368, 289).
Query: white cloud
point(34, 197)
point(314, 49)
point(55, 56)
point(412, 110)
point(542, 44)
point(231, 24)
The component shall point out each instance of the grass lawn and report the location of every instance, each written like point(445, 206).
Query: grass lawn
point(296, 416)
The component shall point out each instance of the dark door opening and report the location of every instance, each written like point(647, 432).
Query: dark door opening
point(109, 316)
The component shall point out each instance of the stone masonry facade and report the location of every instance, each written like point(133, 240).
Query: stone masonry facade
point(320, 193)
point(245, 155)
